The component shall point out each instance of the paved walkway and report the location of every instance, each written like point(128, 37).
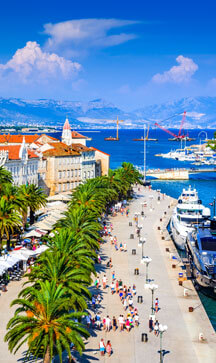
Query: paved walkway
point(181, 339)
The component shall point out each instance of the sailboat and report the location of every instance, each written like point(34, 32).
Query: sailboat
point(145, 182)
point(147, 137)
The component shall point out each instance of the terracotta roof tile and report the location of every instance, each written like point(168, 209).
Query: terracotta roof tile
point(18, 139)
point(60, 149)
point(77, 135)
point(80, 147)
point(13, 152)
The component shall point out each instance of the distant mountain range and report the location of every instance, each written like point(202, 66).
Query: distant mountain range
point(201, 112)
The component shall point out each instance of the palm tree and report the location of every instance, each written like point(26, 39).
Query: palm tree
point(9, 220)
point(5, 178)
point(58, 268)
point(88, 196)
point(34, 198)
point(67, 243)
point(84, 224)
point(49, 326)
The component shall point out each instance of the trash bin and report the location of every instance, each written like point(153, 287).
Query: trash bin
point(144, 337)
point(134, 252)
point(132, 236)
point(136, 271)
point(139, 299)
point(130, 224)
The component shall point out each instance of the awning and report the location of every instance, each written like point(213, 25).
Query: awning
point(33, 233)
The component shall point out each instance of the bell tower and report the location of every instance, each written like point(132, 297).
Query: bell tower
point(66, 133)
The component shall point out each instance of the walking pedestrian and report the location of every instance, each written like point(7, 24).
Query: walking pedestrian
point(114, 323)
point(112, 286)
point(127, 324)
point(156, 305)
point(102, 347)
point(109, 348)
point(117, 286)
point(104, 281)
point(113, 275)
point(156, 328)
point(121, 322)
point(108, 323)
point(136, 320)
point(125, 304)
point(151, 324)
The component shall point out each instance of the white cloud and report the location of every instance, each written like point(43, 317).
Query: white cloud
point(31, 64)
point(178, 74)
point(86, 33)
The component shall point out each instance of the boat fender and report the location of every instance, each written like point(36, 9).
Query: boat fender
point(180, 201)
point(199, 201)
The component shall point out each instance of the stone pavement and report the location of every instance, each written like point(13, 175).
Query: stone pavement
point(180, 342)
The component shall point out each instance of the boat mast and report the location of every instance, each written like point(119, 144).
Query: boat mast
point(144, 161)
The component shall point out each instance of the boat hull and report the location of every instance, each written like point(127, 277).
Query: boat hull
point(177, 237)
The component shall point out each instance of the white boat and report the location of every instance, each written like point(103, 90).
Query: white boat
point(188, 213)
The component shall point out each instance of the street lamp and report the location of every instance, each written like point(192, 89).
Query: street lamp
point(147, 261)
point(161, 329)
point(152, 287)
point(142, 240)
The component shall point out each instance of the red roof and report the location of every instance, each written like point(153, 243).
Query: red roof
point(13, 152)
point(18, 139)
point(76, 135)
point(94, 148)
point(60, 149)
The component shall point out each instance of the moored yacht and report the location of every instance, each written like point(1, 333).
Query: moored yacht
point(201, 252)
point(188, 212)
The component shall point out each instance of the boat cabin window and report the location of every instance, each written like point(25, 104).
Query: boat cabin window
point(190, 220)
point(188, 211)
point(208, 244)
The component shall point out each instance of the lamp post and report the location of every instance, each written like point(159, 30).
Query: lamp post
point(142, 240)
point(147, 261)
point(161, 329)
point(152, 287)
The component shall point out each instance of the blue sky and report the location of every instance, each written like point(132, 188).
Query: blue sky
point(129, 53)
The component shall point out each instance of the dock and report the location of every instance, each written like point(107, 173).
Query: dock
point(181, 342)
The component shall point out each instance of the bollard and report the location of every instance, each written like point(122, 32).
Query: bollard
point(163, 238)
point(160, 219)
point(180, 282)
point(130, 224)
point(139, 299)
point(165, 213)
point(190, 309)
point(132, 236)
point(144, 337)
point(167, 249)
point(173, 266)
point(133, 251)
point(158, 228)
point(142, 214)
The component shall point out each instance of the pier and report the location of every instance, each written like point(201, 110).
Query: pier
point(176, 174)
point(181, 341)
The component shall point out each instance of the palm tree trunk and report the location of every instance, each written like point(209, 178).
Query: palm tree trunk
point(8, 242)
point(47, 358)
point(31, 216)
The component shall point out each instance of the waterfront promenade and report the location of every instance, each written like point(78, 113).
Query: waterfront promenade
point(181, 340)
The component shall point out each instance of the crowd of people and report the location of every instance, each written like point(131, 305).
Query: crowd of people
point(129, 318)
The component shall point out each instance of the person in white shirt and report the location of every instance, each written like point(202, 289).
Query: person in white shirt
point(108, 323)
point(112, 286)
point(104, 281)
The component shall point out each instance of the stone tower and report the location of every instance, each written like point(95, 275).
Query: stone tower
point(66, 133)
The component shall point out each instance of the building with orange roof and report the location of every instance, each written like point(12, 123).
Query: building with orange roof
point(9, 139)
point(87, 159)
point(21, 162)
point(60, 168)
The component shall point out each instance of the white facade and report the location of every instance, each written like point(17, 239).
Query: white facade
point(22, 163)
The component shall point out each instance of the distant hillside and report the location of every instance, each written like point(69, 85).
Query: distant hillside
point(201, 112)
